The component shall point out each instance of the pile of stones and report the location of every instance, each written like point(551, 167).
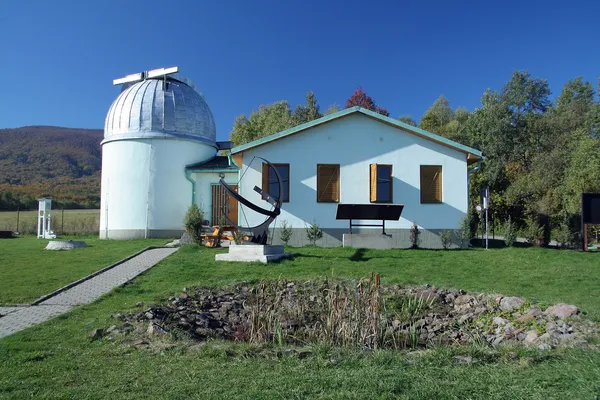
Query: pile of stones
point(436, 316)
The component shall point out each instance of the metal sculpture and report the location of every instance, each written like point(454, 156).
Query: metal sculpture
point(259, 232)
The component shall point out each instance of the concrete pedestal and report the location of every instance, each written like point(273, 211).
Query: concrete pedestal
point(368, 241)
point(253, 252)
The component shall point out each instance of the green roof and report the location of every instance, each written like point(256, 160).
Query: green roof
point(215, 164)
point(390, 121)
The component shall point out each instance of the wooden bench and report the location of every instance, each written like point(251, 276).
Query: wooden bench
point(213, 239)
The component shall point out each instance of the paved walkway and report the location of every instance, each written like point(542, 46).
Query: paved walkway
point(14, 319)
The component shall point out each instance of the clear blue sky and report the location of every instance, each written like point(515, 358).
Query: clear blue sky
point(59, 57)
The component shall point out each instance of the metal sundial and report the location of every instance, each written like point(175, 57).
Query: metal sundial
point(259, 232)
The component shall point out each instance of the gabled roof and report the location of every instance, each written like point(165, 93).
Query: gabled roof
point(473, 155)
point(215, 164)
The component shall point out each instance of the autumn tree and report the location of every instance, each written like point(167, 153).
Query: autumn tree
point(361, 99)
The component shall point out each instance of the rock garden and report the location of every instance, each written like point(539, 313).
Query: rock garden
point(365, 314)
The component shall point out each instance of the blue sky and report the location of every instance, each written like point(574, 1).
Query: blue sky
point(59, 57)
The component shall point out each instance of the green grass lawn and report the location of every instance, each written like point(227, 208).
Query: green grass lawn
point(58, 360)
point(27, 271)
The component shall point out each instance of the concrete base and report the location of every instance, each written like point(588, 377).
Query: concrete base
point(252, 253)
point(368, 241)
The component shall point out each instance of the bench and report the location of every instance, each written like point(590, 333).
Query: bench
point(218, 234)
point(382, 212)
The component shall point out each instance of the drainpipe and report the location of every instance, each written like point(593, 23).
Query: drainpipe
point(469, 172)
point(188, 174)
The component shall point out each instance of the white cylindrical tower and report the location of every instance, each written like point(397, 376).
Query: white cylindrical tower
point(153, 130)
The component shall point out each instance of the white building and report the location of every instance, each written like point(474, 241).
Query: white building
point(159, 154)
point(356, 156)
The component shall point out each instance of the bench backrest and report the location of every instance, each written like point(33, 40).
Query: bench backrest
point(385, 212)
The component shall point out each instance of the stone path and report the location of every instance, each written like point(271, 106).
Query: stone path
point(14, 319)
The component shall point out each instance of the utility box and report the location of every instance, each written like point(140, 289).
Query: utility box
point(44, 230)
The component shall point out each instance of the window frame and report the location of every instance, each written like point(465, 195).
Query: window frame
point(339, 184)
point(391, 183)
point(441, 177)
point(277, 165)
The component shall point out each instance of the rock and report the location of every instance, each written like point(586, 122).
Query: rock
point(544, 346)
point(65, 245)
point(462, 360)
point(526, 319)
point(562, 310)
point(97, 333)
point(531, 337)
point(501, 321)
point(464, 299)
point(149, 315)
point(186, 238)
point(499, 339)
point(112, 328)
point(510, 303)
point(304, 354)
point(512, 356)
point(534, 312)
point(396, 324)
point(155, 329)
point(139, 304)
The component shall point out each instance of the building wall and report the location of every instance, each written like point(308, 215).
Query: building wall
point(354, 142)
point(144, 190)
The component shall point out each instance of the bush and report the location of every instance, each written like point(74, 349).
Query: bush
point(286, 232)
point(193, 223)
point(510, 234)
point(566, 238)
point(313, 233)
point(414, 236)
point(534, 233)
point(446, 237)
point(464, 232)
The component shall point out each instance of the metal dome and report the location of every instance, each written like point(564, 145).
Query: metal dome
point(145, 110)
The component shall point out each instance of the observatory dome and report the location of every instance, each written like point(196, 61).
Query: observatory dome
point(145, 110)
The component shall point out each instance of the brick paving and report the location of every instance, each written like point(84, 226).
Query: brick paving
point(14, 319)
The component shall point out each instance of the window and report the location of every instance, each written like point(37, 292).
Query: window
point(269, 180)
point(381, 183)
point(328, 183)
point(431, 183)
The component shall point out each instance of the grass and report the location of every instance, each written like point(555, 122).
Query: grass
point(75, 221)
point(27, 271)
point(58, 360)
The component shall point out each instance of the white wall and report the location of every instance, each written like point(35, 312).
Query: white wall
point(204, 183)
point(354, 142)
point(144, 185)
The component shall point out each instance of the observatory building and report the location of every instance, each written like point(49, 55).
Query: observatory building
point(156, 128)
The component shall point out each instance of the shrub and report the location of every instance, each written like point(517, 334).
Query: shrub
point(193, 223)
point(286, 232)
point(534, 233)
point(566, 238)
point(313, 232)
point(446, 237)
point(414, 236)
point(464, 232)
point(510, 233)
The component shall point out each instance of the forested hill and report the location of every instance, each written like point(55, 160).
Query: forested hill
point(49, 161)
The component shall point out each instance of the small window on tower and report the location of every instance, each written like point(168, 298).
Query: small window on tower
point(381, 183)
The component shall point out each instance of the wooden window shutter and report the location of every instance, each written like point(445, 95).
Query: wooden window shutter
point(328, 183)
point(265, 178)
point(431, 184)
point(373, 182)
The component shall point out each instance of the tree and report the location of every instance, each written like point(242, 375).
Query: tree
point(273, 118)
point(407, 120)
point(307, 113)
point(332, 109)
point(437, 116)
point(361, 99)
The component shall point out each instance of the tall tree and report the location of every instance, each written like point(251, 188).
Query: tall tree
point(332, 109)
point(268, 119)
point(362, 99)
point(308, 112)
point(437, 116)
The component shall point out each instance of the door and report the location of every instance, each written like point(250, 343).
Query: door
point(223, 204)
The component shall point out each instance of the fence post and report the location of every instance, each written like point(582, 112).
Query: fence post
point(18, 213)
point(62, 222)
